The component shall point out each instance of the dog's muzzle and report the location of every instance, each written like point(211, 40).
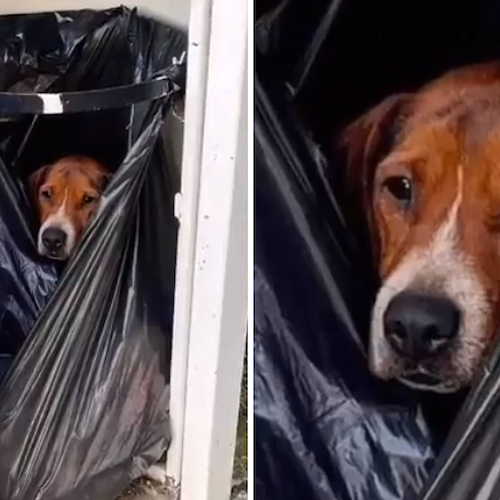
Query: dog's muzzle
point(419, 325)
point(54, 243)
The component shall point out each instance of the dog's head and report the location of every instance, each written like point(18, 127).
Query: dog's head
point(66, 194)
point(427, 169)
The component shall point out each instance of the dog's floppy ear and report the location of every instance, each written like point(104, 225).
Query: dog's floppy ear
point(368, 138)
point(104, 179)
point(36, 179)
point(363, 144)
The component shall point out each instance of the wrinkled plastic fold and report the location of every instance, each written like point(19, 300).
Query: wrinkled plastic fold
point(85, 347)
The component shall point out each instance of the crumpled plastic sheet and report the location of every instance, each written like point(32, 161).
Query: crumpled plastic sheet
point(85, 348)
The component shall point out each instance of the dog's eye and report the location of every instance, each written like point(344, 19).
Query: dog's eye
point(88, 199)
point(47, 194)
point(399, 187)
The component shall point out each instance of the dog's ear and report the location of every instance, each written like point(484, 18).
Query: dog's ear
point(35, 180)
point(362, 146)
point(104, 179)
point(367, 139)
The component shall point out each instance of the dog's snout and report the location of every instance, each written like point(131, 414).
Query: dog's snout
point(54, 238)
point(419, 324)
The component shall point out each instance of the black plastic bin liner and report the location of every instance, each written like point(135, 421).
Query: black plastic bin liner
point(86, 348)
point(325, 428)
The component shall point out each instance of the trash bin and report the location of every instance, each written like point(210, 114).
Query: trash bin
point(85, 348)
point(325, 427)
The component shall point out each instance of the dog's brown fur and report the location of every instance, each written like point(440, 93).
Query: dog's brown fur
point(445, 138)
point(68, 192)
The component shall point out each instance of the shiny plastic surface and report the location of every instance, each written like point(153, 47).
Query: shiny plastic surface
point(325, 428)
point(86, 348)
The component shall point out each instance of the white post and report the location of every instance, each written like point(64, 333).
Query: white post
point(220, 286)
point(187, 211)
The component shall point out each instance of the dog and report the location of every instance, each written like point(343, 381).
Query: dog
point(66, 194)
point(425, 168)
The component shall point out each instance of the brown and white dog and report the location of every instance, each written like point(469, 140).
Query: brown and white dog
point(427, 168)
point(66, 194)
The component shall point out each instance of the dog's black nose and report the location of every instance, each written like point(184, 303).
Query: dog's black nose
point(418, 324)
point(53, 238)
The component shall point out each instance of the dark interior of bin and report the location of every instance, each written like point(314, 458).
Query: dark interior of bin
point(99, 134)
point(372, 49)
point(339, 58)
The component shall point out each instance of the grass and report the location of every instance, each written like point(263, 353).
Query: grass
point(241, 455)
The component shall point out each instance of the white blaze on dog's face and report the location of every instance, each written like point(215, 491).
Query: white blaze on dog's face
point(428, 168)
point(66, 194)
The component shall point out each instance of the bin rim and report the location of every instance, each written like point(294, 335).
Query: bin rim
point(32, 103)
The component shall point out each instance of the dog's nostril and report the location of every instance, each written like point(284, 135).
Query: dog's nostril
point(395, 332)
point(418, 324)
point(432, 333)
point(53, 238)
point(398, 329)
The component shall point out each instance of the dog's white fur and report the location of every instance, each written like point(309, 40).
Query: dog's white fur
point(59, 220)
point(439, 267)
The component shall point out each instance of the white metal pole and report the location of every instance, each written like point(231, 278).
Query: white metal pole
point(187, 211)
point(220, 288)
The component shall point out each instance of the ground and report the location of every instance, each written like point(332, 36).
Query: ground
point(240, 471)
point(148, 490)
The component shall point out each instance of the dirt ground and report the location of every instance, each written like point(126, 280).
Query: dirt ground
point(144, 489)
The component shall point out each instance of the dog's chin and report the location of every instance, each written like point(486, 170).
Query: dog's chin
point(56, 256)
point(422, 381)
point(443, 377)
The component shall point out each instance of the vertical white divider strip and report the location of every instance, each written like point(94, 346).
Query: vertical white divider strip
point(187, 208)
point(220, 290)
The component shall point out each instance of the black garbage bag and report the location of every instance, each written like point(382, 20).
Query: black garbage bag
point(325, 428)
point(85, 349)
